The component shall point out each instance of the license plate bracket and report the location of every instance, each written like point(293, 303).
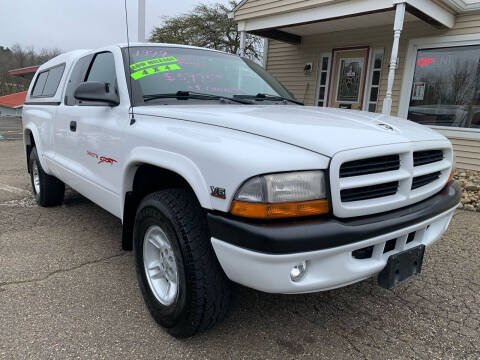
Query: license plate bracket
point(401, 267)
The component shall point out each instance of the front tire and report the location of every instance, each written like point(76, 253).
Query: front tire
point(182, 283)
point(47, 189)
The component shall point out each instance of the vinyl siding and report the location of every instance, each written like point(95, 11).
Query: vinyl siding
point(286, 63)
point(258, 8)
point(465, 24)
point(467, 153)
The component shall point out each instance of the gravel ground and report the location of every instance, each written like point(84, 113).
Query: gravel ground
point(470, 182)
point(67, 290)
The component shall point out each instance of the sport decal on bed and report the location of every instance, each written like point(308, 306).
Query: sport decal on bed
point(159, 65)
point(101, 159)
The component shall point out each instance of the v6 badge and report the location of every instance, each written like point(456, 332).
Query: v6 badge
point(217, 192)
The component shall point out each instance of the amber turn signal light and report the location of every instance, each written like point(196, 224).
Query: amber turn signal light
point(450, 178)
point(279, 210)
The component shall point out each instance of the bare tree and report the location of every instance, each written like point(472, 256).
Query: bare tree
point(210, 27)
point(19, 57)
point(462, 82)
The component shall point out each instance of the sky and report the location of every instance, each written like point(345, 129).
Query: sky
point(81, 24)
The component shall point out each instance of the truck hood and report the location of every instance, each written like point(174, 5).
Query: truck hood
point(323, 130)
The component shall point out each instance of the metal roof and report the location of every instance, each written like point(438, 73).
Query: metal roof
point(26, 72)
point(13, 100)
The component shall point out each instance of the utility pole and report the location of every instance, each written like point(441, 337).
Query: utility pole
point(141, 20)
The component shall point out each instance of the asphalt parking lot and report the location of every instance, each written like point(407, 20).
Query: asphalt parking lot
point(67, 290)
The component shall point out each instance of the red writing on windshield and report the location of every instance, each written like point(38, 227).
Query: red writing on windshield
point(151, 53)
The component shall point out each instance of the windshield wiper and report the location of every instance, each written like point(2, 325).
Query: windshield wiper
point(183, 95)
point(269, 97)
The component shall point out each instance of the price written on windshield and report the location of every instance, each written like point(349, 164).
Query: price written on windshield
point(154, 70)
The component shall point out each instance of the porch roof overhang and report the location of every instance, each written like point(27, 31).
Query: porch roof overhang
point(285, 26)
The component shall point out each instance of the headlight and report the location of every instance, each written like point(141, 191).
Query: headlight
point(292, 194)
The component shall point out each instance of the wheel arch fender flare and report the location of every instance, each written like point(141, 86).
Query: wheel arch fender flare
point(176, 163)
point(167, 160)
point(31, 130)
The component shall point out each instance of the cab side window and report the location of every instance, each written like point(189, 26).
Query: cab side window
point(78, 75)
point(53, 80)
point(103, 70)
point(40, 84)
point(47, 82)
point(95, 67)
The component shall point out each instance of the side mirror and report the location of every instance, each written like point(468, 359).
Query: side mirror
point(96, 91)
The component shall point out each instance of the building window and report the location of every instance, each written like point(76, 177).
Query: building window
point(446, 87)
point(375, 80)
point(323, 77)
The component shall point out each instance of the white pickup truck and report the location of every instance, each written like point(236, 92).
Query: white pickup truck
point(218, 174)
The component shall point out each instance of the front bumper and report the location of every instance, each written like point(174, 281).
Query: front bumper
point(261, 256)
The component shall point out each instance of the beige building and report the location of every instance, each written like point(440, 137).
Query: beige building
point(418, 59)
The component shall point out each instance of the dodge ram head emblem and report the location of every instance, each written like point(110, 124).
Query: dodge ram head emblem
point(385, 126)
point(217, 192)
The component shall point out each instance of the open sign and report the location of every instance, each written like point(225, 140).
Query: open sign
point(425, 61)
point(434, 61)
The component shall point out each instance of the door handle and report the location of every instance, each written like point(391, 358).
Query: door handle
point(73, 126)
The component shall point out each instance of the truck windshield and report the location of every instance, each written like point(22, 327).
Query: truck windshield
point(158, 70)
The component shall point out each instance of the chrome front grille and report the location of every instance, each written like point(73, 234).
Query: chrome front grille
point(377, 179)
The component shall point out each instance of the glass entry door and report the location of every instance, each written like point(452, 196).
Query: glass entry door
point(348, 81)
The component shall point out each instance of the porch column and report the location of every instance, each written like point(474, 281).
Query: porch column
point(397, 29)
point(242, 42)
